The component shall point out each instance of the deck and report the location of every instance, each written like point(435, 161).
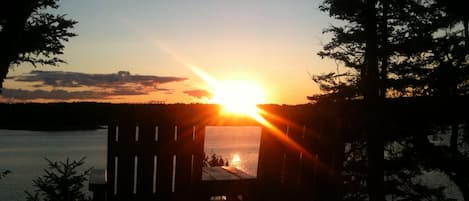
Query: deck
point(224, 173)
point(217, 181)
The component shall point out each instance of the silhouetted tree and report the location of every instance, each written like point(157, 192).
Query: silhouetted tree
point(29, 32)
point(396, 48)
point(214, 161)
point(456, 13)
point(404, 38)
point(62, 181)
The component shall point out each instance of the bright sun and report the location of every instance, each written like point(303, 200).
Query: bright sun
point(238, 96)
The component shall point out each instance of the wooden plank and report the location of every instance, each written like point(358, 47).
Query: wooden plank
point(224, 173)
point(199, 140)
point(125, 165)
point(184, 152)
point(309, 184)
point(165, 160)
point(271, 160)
point(227, 181)
point(146, 146)
point(292, 160)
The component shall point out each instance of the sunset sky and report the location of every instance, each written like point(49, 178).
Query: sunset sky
point(154, 44)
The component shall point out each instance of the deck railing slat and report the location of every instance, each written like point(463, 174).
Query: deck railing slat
point(147, 150)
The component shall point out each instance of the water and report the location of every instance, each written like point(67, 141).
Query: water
point(230, 141)
point(23, 153)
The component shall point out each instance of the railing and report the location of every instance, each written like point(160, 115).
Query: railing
point(161, 158)
point(153, 161)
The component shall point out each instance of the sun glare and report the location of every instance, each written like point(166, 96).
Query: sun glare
point(236, 160)
point(242, 97)
point(238, 96)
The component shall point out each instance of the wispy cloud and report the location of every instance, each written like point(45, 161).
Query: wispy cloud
point(198, 93)
point(21, 94)
point(84, 86)
point(75, 79)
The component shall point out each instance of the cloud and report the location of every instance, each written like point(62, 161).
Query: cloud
point(21, 94)
point(198, 93)
point(75, 79)
point(84, 86)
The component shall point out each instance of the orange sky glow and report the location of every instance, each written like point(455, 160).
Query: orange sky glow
point(146, 51)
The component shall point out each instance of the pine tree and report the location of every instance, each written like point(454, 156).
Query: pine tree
point(394, 49)
point(62, 181)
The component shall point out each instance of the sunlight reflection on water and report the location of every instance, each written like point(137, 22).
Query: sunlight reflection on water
point(237, 144)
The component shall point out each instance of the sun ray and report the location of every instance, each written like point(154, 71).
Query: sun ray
point(236, 96)
point(242, 97)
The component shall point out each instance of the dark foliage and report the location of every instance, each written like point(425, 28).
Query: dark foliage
point(62, 181)
point(29, 32)
point(214, 160)
point(419, 48)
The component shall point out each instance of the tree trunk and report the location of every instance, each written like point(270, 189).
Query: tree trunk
point(375, 148)
point(460, 177)
point(12, 33)
point(4, 67)
point(384, 50)
point(454, 136)
point(466, 31)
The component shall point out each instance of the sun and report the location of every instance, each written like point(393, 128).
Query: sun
point(238, 96)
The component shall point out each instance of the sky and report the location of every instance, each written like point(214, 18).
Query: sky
point(143, 51)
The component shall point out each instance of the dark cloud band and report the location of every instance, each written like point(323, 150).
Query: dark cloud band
point(75, 79)
point(21, 94)
point(85, 86)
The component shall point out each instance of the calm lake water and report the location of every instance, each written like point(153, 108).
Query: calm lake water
point(23, 152)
